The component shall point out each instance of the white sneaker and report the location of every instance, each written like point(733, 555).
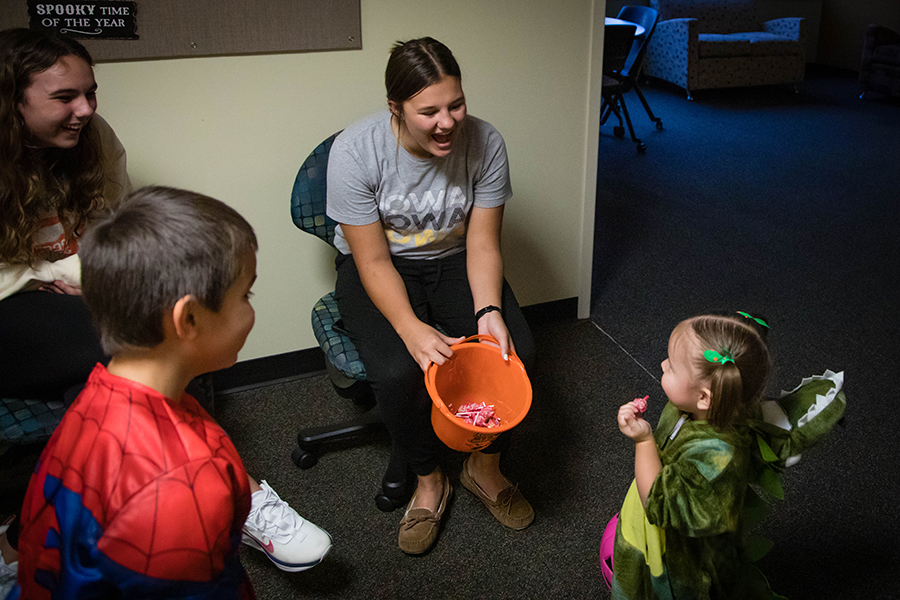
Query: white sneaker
point(7, 571)
point(290, 541)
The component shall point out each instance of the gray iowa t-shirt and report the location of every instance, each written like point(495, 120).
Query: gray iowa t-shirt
point(423, 204)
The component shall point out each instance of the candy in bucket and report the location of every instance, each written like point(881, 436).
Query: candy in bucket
point(476, 373)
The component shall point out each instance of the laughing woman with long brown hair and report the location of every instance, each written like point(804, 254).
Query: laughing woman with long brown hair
point(60, 166)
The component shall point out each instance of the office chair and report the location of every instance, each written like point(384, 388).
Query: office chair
point(621, 76)
point(617, 42)
point(25, 421)
point(647, 18)
point(345, 370)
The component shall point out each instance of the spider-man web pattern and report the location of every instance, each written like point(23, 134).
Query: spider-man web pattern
point(134, 497)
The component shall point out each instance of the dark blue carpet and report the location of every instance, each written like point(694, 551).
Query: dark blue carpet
point(786, 204)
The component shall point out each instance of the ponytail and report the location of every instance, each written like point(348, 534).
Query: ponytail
point(737, 363)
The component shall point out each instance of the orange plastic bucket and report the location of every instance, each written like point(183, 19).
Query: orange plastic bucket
point(476, 373)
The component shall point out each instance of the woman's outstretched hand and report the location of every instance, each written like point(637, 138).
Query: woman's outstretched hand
point(428, 345)
point(631, 423)
point(492, 324)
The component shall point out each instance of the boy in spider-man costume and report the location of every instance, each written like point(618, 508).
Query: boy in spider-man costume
point(139, 493)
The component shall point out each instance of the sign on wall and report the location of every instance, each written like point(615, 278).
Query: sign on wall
point(86, 20)
point(115, 30)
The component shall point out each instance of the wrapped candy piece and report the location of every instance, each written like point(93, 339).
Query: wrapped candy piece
point(641, 404)
point(478, 414)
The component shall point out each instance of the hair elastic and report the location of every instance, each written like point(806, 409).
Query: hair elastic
point(714, 357)
point(748, 316)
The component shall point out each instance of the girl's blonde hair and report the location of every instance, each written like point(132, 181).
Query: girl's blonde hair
point(736, 387)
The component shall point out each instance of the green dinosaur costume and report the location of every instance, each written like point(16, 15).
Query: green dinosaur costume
point(690, 543)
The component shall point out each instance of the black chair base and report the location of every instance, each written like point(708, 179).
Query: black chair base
point(395, 490)
point(621, 74)
point(613, 103)
point(643, 100)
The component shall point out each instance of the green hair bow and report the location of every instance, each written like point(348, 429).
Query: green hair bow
point(714, 357)
point(748, 316)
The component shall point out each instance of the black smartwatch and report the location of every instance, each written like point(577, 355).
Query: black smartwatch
point(486, 310)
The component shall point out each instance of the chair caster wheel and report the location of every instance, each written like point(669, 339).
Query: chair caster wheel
point(384, 503)
point(619, 131)
point(659, 125)
point(303, 458)
point(393, 494)
point(642, 147)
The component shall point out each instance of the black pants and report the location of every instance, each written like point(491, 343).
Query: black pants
point(12, 532)
point(439, 293)
point(47, 345)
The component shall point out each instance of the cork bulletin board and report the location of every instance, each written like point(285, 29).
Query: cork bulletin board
point(153, 29)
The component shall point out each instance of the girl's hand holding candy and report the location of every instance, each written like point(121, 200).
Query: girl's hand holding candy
point(631, 422)
point(640, 404)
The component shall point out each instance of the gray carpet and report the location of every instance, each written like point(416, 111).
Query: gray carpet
point(567, 456)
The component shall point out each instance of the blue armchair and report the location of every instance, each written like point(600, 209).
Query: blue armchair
point(704, 44)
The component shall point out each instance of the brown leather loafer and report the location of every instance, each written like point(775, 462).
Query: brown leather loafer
point(419, 526)
point(510, 508)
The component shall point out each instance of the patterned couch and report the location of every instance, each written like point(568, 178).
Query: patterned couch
point(703, 44)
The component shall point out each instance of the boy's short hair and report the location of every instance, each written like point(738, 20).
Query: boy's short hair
point(159, 245)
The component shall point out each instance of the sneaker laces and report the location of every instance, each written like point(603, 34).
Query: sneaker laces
point(7, 570)
point(274, 519)
point(7, 576)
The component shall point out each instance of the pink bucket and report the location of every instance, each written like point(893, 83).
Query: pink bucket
point(607, 547)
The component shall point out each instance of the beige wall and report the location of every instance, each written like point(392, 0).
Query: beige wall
point(238, 128)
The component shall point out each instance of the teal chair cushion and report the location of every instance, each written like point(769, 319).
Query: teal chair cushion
point(28, 421)
point(338, 347)
point(308, 199)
